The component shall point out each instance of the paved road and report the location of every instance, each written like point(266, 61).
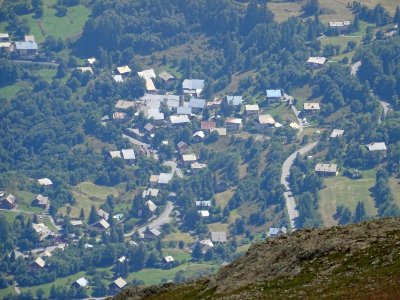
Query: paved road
point(354, 67)
point(163, 218)
point(43, 63)
point(296, 113)
point(292, 211)
point(174, 168)
point(135, 142)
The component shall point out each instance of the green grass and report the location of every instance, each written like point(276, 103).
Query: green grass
point(154, 276)
point(66, 281)
point(10, 217)
point(24, 202)
point(47, 74)
point(177, 254)
point(10, 91)
point(179, 236)
point(341, 40)
point(341, 190)
point(65, 28)
point(281, 110)
point(88, 194)
point(7, 291)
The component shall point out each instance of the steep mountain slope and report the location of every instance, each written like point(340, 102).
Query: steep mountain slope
point(353, 262)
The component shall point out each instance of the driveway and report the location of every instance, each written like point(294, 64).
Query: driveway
point(292, 211)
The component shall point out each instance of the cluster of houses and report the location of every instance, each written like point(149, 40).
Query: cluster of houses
point(27, 48)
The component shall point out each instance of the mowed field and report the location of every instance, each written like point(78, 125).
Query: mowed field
point(86, 195)
point(69, 26)
point(155, 276)
point(333, 9)
point(341, 190)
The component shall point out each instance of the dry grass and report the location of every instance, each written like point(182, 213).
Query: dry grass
point(223, 198)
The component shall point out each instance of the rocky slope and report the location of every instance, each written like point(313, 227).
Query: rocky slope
point(353, 262)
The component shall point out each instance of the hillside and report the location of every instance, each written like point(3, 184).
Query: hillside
point(352, 262)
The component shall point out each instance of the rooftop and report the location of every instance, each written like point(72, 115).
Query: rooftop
point(234, 100)
point(274, 93)
point(189, 157)
point(197, 103)
point(128, 154)
point(317, 60)
point(218, 236)
point(120, 282)
point(336, 133)
point(165, 178)
point(123, 70)
point(381, 146)
point(82, 282)
point(266, 119)
point(147, 74)
point(326, 168)
point(45, 181)
point(251, 107)
point(151, 206)
point(311, 106)
point(164, 75)
point(124, 104)
point(26, 46)
point(179, 119)
point(193, 84)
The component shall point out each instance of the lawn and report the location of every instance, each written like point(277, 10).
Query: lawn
point(179, 236)
point(47, 74)
point(10, 91)
point(155, 276)
point(218, 226)
point(10, 217)
point(340, 40)
point(65, 28)
point(24, 202)
point(7, 291)
point(223, 198)
point(282, 111)
point(88, 194)
point(59, 282)
point(341, 190)
point(177, 254)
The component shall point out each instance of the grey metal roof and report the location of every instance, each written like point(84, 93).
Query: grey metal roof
point(193, 84)
point(197, 103)
point(184, 110)
point(26, 46)
point(234, 100)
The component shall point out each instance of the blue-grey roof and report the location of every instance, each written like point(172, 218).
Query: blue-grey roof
point(234, 100)
point(26, 46)
point(183, 110)
point(193, 84)
point(197, 103)
point(274, 93)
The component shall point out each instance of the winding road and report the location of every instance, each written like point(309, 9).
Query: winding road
point(163, 218)
point(292, 211)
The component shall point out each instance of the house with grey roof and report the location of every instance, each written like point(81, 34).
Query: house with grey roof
point(196, 104)
point(184, 110)
point(177, 120)
point(26, 49)
point(165, 178)
point(218, 237)
point(193, 86)
point(274, 95)
point(234, 100)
